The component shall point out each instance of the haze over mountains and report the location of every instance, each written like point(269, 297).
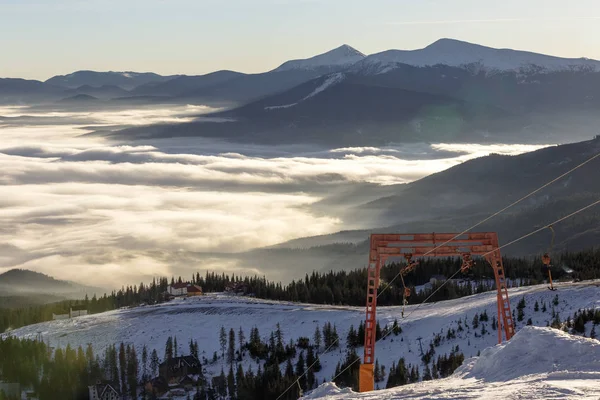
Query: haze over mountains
point(311, 147)
point(452, 200)
point(449, 91)
point(21, 282)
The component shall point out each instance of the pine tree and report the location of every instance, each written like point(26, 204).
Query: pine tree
point(132, 372)
point(175, 347)
point(310, 357)
point(289, 369)
point(361, 333)
point(223, 340)
point(300, 371)
point(544, 309)
point(123, 367)
point(169, 349)
point(144, 362)
point(396, 328)
point(351, 338)
point(475, 324)
point(231, 348)
point(536, 306)
point(231, 382)
point(335, 339)
point(377, 372)
point(241, 341)
point(317, 364)
point(427, 373)
point(154, 361)
point(317, 338)
point(434, 372)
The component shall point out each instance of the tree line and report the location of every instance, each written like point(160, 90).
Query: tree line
point(340, 287)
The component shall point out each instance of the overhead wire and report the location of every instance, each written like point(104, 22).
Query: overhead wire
point(483, 255)
point(498, 213)
point(456, 273)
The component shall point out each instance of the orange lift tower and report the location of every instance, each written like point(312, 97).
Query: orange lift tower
point(418, 245)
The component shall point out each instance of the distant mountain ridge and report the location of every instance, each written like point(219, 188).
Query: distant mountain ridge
point(339, 57)
point(468, 72)
point(126, 80)
point(25, 282)
point(456, 53)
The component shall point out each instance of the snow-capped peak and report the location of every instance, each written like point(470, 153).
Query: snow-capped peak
point(339, 57)
point(457, 53)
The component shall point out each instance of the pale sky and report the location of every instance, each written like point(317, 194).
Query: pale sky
point(42, 38)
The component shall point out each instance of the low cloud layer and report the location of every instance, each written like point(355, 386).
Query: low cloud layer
point(107, 213)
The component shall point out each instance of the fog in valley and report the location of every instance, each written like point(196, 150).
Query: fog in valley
point(78, 206)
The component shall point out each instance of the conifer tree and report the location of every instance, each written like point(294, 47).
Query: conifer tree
point(317, 338)
point(132, 372)
point(231, 382)
point(241, 341)
point(123, 367)
point(154, 361)
point(169, 349)
point(300, 369)
point(231, 348)
point(144, 362)
point(223, 340)
point(475, 324)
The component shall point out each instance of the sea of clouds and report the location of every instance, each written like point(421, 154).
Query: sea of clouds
point(85, 208)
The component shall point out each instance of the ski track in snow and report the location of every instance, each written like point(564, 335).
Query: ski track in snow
point(201, 318)
point(330, 81)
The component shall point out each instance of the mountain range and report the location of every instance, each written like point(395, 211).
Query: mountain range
point(236, 88)
point(22, 282)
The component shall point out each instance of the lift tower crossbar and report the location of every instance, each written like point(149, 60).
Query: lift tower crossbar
point(384, 246)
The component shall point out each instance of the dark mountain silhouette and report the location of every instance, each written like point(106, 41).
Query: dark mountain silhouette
point(184, 84)
point(16, 91)
point(126, 80)
point(104, 92)
point(22, 282)
point(337, 110)
point(78, 99)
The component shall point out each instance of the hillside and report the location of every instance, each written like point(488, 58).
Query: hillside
point(24, 283)
point(521, 368)
point(201, 318)
point(455, 199)
point(335, 112)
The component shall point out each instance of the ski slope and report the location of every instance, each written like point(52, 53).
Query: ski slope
point(537, 363)
point(200, 319)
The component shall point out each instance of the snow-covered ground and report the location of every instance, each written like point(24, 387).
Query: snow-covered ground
point(457, 53)
point(538, 363)
point(201, 318)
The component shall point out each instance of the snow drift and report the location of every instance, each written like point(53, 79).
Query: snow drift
point(537, 363)
point(534, 350)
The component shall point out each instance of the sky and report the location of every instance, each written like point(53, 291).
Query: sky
point(43, 38)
